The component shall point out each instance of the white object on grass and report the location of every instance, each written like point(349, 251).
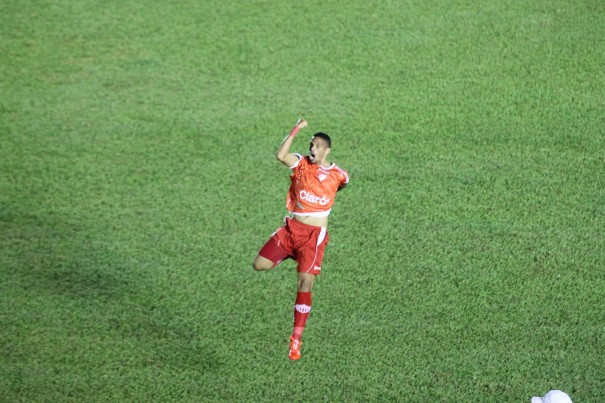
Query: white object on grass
point(554, 396)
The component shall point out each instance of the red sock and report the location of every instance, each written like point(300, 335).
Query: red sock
point(302, 308)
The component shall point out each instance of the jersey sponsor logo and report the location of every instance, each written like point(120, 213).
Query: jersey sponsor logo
point(311, 198)
point(302, 308)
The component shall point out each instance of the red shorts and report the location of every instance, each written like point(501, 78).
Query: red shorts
point(301, 242)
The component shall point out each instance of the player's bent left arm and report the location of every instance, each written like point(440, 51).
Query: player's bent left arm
point(283, 152)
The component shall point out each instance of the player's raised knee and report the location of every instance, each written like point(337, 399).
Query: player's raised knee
point(261, 263)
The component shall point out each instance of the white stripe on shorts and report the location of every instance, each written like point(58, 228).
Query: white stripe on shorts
point(320, 239)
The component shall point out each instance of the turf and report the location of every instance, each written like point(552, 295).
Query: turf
point(138, 181)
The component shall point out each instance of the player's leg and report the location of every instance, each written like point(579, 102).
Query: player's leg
point(262, 263)
point(309, 243)
point(303, 303)
point(302, 309)
point(302, 306)
point(310, 256)
point(276, 249)
point(305, 282)
point(270, 255)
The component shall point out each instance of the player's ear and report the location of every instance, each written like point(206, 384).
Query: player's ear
point(328, 151)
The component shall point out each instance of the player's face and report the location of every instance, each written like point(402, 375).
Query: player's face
point(318, 150)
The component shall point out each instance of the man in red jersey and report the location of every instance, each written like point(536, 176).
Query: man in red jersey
point(304, 236)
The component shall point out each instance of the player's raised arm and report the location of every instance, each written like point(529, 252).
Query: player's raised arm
point(283, 153)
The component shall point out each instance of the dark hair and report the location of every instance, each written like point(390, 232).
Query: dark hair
point(324, 136)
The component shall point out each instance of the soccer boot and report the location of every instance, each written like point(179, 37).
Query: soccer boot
point(295, 345)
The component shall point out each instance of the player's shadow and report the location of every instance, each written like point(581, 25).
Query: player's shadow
point(60, 260)
point(54, 255)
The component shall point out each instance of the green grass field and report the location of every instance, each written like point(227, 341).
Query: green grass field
point(138, 181)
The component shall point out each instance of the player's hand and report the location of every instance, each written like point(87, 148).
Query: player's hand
point(302, 123)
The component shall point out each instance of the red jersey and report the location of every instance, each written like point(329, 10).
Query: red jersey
point(314, 187)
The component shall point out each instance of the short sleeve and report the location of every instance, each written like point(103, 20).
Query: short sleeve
point(345, 177)
point(300, 158)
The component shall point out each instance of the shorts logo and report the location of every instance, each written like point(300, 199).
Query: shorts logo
point(317, 268)
point(302, 308)
point(311, 198)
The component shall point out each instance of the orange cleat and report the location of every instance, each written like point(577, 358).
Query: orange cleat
point(294, 353)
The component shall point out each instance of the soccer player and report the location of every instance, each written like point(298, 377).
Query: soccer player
point(304, 235)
